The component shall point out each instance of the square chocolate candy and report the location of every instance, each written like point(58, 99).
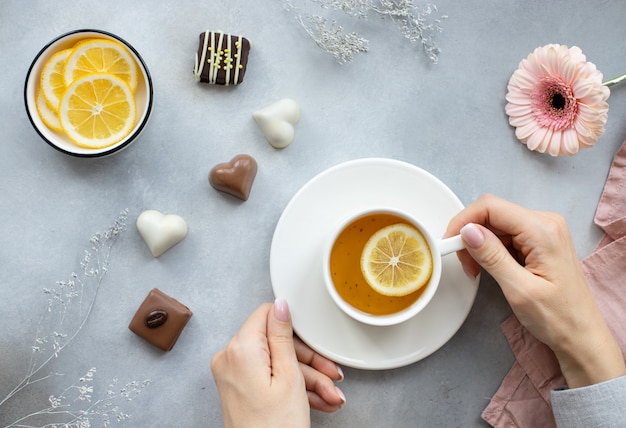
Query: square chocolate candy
point(221, 58)
point(160, 320)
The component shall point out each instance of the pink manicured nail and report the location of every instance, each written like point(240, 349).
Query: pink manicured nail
point(341, 377)
point(472, 235)
point(281, 310)
point(341, 395)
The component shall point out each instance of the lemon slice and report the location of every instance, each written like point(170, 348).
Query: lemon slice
point(52, 80)
point(45, 113)
point(396, 260)
point(97, 110)
point(100, 56)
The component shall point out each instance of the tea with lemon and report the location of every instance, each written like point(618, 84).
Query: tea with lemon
point(397, 264)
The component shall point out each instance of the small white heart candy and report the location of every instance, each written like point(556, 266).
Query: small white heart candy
point(277, 121)
point(161, 232)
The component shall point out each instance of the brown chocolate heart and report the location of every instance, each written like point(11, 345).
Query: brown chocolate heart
point(234, 177)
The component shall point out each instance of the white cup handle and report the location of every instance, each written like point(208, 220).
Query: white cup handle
point(451, 245)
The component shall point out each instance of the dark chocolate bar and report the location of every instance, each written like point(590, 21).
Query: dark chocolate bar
point(221, 58)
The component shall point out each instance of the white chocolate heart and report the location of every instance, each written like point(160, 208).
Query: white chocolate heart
point(277, 121)
point(161, 232)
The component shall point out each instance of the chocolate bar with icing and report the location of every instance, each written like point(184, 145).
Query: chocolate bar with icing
point(221, 58)
point(160, 320)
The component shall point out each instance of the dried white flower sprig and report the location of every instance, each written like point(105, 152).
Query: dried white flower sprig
point(417, 23)
point(76, 406)
point(67, 309)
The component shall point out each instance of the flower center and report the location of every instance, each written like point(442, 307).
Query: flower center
point(553, 103)
point(558, 101)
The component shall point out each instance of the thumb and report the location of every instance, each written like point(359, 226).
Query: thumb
point(489, 252)
point(280, 336)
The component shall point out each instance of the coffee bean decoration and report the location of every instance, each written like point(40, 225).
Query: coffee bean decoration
point(160, 319)
point(156, 318)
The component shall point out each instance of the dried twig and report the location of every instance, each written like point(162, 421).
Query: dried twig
point(417, 23)
point(67, 309)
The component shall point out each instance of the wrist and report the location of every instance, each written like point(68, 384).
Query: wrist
point(591, 361)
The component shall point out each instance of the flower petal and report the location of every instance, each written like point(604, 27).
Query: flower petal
point(577, 54)
point(545, 141)
point(516, 97)
point(524, 131)
point(596, 96)
point(583, 130)
point(517, 110)
point(552, 60)
point(592, 116)
point(523, 80)
point(569, 142)
point(524, 120)
point(533, 64)
point(554, 147)
point(582, 88)
point(536, 139)
point(568, 71)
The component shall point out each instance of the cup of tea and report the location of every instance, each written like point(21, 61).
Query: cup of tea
point(382, 266)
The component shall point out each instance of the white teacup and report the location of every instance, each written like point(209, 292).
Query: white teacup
point(409, 305)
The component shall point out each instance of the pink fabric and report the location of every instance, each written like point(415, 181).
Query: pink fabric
point(523, 399)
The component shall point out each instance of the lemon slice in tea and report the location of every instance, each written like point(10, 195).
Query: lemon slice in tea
point(396, 260)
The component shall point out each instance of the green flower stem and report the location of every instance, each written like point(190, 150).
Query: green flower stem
point(614, 81)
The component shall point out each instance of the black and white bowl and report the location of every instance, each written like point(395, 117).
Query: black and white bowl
point(58, 140)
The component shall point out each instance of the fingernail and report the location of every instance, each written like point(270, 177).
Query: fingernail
point(341, 395)
point(281, 310)
point(341, 378)
point(472, 235)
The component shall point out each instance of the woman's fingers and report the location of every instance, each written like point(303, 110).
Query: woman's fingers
point(320, 375)
point(311, 358)
point(322, 392)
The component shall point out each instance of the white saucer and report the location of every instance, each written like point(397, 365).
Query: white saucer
point(296, 264)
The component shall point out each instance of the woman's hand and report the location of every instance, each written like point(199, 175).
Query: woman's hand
point(266, 377)
point(319, 374)
point(258, 375)
point(532, 257)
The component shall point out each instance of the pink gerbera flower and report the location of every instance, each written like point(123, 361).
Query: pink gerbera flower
point(556, 101)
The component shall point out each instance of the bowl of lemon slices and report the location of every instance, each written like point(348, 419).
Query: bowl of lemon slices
point(88, 93)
